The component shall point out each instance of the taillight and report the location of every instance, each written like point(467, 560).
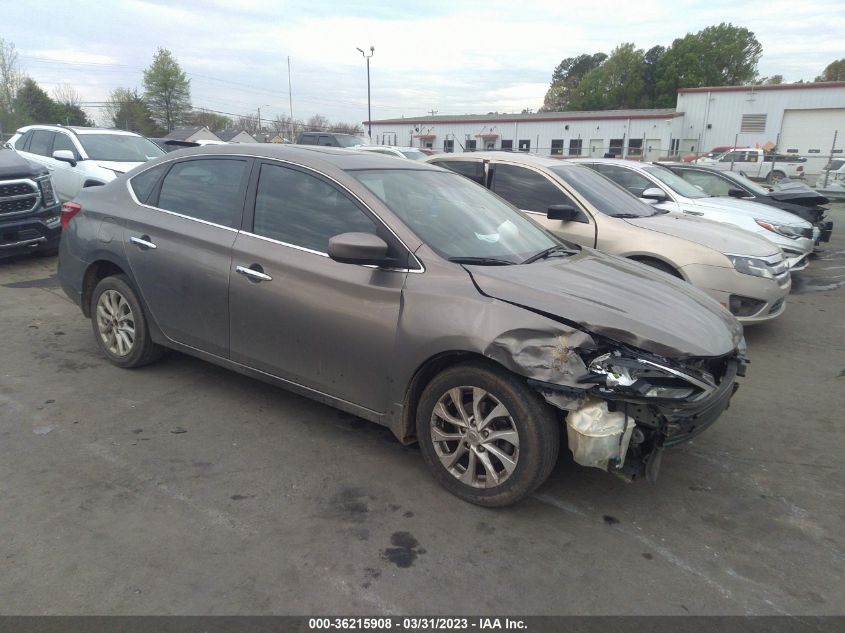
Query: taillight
point(69, 210)
point(800, 167)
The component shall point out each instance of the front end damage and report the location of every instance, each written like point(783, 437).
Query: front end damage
point(623, 405)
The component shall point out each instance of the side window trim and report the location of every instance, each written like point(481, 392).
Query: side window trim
point(153, 199)
point(414, 264)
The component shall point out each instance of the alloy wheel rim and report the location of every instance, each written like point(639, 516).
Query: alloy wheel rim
point(475, 437)
point(115, 323)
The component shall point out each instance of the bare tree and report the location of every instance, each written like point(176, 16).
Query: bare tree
point(248, 123)
point(11, 78)
point(318, 123)
point(66, 94)
point(347, 128)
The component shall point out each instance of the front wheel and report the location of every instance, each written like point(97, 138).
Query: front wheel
point(485, 435)
point(119, 324)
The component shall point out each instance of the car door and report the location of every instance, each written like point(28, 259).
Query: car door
point(67, 178)
point(296, 313)
point(533, 193)
point(179, 246)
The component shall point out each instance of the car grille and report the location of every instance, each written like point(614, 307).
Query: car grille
point(18, 197)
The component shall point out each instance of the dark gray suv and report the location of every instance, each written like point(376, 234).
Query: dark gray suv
point(407, 295)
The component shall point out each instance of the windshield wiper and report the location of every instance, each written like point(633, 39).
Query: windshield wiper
point(482, 261)
point(554, 250)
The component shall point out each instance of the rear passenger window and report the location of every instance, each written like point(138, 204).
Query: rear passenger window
point(42, 141)
point(207, 189)
point(143, 184)
point(299, 209)
point(472, 169)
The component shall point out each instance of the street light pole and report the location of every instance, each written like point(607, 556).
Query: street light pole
point(369, 109)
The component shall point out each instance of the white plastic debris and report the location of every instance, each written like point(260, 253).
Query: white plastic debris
point(598, 436)
point(42, 430)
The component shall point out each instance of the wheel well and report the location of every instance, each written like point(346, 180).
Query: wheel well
point(428, 370)
point(657, 263)
point(96, 271)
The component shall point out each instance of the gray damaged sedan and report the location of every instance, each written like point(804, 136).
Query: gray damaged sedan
point(407, 295)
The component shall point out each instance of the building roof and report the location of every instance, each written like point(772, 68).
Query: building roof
point(753, 88)
point(594, 115)
point(228, 135)
point(184, 133)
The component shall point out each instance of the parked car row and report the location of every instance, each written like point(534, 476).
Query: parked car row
point(481, 319)
point(410, 296)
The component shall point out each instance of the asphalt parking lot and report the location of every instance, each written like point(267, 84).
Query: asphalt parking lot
point(182, 488)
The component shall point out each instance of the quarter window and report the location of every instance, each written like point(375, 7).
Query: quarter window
point(527, 189)
point(207, 189)
point(23, 141)
point(303, 210)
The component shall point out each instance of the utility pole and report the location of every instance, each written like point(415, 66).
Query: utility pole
point(369, 109)
point(290, 96)
point(433, 112)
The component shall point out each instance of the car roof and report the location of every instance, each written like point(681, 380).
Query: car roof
point(76, 129)
point(512, 157)
point(316, 156)
point(630, 164)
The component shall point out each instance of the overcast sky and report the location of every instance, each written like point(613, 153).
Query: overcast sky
point(452, 56)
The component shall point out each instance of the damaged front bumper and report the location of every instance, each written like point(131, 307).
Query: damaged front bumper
point(624, 433)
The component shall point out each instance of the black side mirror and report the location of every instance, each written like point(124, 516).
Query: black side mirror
point(358, 248)
point(735, 192)
point(562, 212)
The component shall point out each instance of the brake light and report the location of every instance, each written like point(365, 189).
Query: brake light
point(69, 210)
point(800, 167)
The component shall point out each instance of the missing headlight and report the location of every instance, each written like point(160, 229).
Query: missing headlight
point(618, 374)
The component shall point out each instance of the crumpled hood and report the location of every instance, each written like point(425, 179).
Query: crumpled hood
point(721, 237)
point(619, 299)
point(118, 166)
point(754, 209)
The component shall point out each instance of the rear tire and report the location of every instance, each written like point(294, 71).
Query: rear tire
point(775, 176)
point(119, 324)
point(499, 459)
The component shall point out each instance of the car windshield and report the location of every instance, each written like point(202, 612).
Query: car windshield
point(604, 194)
point(120, 148)
point(413, 154)
point(350, 141)
point(749, 184)
point(674, 182)
point(457, 218)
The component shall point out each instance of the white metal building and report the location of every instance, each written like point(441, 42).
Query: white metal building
point(796, 118)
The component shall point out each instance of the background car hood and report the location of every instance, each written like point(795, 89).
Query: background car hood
point(719, 236)
point(752, 209)
point(116, 166)
point(619, 299)
point(797, 193)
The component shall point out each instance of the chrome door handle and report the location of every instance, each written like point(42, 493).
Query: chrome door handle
point(143, 243)
point(253, 275)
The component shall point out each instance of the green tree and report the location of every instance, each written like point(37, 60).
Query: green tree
point(617, 84)
point(566, 77)
point(33, 105)
point(722, 55)
point(127, 110)
point(650, 63)
point(834, 71)
point(167, 90)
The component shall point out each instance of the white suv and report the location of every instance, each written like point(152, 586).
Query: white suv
point(80, 157)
